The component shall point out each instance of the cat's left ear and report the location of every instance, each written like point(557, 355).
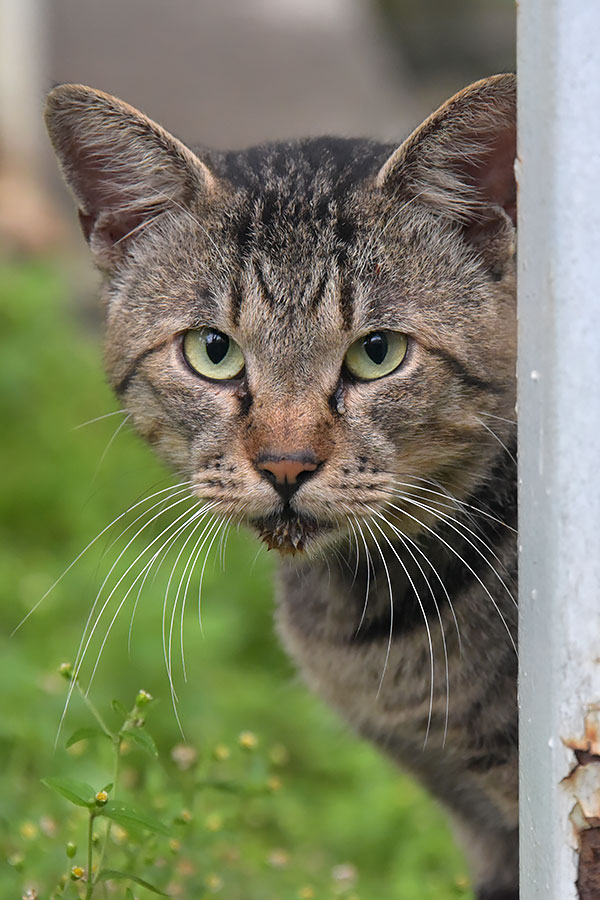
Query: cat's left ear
point(123, 169)
point(460, 161)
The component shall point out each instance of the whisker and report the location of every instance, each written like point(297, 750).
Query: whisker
point(167, 646)
point(147, 567)
point(116, 412)
point(426, 621)
point(115, 434)
point(391, 596)
point(460, 529)
point(461, 504)
point(401, 537)
point(84, 551)
point(495, 436)
point(500, 418)
point(470, 568)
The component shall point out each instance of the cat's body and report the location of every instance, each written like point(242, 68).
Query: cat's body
point(321, 335)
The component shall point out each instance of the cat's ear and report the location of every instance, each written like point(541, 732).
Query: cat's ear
point(460, 161)
point(123, 168)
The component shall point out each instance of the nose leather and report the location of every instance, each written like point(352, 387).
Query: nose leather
point(286, 469)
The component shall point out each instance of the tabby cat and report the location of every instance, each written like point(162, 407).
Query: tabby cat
point(320, 334)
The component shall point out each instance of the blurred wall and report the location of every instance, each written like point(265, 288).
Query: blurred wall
point(229, 73)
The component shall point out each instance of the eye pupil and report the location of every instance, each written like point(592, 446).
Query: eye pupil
point(217, 346)
point(376, 347)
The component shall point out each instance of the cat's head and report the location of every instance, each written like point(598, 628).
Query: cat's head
point(307, 330)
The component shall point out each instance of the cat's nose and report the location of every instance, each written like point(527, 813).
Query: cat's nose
point(287, 471)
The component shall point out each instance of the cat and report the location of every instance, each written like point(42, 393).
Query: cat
point(321, 335)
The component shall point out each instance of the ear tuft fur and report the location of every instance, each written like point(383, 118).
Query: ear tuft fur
point(460, 160)
point(123, 168)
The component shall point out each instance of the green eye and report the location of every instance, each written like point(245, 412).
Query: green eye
point(212, 354)
point(376, 354)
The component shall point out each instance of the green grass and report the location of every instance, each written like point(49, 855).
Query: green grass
point(339, 802)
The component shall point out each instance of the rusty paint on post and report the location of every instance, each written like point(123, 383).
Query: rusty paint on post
point(583, 787)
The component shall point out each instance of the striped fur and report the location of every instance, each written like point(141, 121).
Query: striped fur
point(397, 584)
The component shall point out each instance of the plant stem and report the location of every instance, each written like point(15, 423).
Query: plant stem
point(95, 713)
point(117, 740)
point(90, 884)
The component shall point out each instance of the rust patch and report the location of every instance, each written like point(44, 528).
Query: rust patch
point(583, 783)
point(588, 876)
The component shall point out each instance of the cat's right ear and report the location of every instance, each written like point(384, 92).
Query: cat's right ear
point(123, 169)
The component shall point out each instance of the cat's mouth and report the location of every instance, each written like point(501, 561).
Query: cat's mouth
point(289, 533)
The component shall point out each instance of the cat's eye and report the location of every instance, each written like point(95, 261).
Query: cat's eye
point(212, 354)
point(376, 354)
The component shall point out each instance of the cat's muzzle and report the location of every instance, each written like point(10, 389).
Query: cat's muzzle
point(289, 533)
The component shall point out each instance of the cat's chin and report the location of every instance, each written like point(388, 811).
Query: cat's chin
point(290, 534)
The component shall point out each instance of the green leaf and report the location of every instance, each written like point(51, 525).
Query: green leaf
point(114, 875)
point(143, 739)
point(83, 734)
point(78, 792)
point(127, 817)
point(108, 787)
point(120, 709)
point(129, 894)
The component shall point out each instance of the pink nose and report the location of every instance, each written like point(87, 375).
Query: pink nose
point(286, 469)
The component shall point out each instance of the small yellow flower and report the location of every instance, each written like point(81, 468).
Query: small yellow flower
point(16, 860)
point(274, 783)
point(214, 883)
point(248, 740)
point(462, 882)
point(77, 873)
point(214, 822)
point(174, 845)
point(221, 752)
point(101, 798)
point(306, 893)
point(185, 816)
point(29, 831)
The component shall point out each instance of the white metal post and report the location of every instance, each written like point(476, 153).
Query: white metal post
point(558, 170)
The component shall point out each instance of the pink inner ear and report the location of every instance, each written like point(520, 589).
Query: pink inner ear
point(493, 173)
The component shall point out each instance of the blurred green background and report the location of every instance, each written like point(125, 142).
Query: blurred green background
point(341, 822)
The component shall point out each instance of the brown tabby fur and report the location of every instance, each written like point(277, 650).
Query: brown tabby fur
point(295, 250)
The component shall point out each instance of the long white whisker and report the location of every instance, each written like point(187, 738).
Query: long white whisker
point(470, 568)
point(119, 428)
point(495, 436)
point(459, 504)
point(82, 553)
point(401, 537)
point(147, 566)
point(426, 621)
point(116, 412)
point(391, 597)
point(460, 528)
point(79, 657)
point(167, 646)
